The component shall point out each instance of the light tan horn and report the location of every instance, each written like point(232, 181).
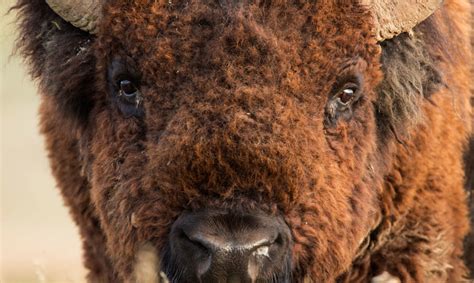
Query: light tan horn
point(396, 16)
point(84, 14)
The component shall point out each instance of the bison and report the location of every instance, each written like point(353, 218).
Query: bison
point(259, 140)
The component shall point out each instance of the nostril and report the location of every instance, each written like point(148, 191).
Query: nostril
point(195, 243)
point(269, 257)
point(193, 252)
point(280, 241)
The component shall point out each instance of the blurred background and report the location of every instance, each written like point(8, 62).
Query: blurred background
point(39, 242)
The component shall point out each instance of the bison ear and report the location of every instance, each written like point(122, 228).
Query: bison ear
point(61, 57)
point(395, 17)
point(69, 61)
point(68, 75)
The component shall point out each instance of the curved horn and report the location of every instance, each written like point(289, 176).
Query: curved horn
point(84, 14)
point(395, 17)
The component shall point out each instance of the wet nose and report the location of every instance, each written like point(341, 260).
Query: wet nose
point(229, 248)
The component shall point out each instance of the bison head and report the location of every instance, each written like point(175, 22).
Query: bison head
point(236, 141)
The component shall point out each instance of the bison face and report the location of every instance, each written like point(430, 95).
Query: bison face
point(233, 141)
point(237, 140)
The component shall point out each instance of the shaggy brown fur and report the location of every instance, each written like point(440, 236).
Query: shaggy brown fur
point(233, 117)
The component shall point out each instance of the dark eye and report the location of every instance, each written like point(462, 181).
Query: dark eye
point(128, 97)
point(347, 95)
point(341, 102)
point(124, 82)
point(129, 93)
point(127, 87)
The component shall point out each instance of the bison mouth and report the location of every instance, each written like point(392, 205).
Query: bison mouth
point(213, 246)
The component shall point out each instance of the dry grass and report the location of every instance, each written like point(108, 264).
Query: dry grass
point(39, 243)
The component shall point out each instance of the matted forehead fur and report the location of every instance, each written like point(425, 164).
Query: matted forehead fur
point(234, 95)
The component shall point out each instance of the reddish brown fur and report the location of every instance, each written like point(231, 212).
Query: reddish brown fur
point(234, 96)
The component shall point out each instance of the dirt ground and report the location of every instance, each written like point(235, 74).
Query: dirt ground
point(39, 242)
